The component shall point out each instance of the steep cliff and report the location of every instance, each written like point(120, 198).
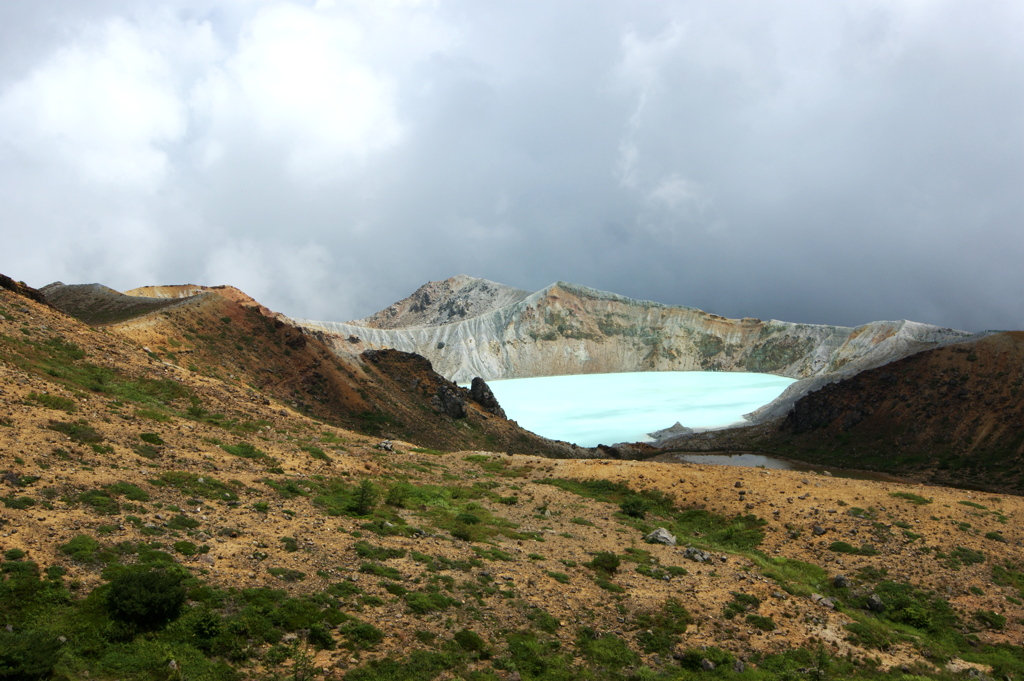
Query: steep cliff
point(571, 329)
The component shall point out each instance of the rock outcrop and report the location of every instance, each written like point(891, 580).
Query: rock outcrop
point(570, 329)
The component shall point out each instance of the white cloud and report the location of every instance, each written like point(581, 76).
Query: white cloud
point(104, 107)
point(300, 81)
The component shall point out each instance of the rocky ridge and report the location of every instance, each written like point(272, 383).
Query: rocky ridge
point(570, 329)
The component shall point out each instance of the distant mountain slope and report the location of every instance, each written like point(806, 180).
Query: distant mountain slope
point(97, 304)
point(222, 333)
point(951, 415)
point(443, 302)
point(571, 329)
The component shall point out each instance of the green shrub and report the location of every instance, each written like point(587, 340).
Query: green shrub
point(14, 554)
point(100, 501)
point(543, 620)
point(761, 622)
point(990, 619)
point(79, 431)
point(320, 637)
point(129, 491)
point(185, 548)
point(604, 562)
point(151, 438)
point(606, 650)
point(291, 545)
point(56, 402)
point(381, 571)
point(81, 548)
point(691, 658)
point(661, 630)
point(287, 575)
point(18, 503)
point(422, 603)
point(362, 635)
point(364, 549)
point(194, 485)
point(364, 498)
point(146, 599)
point(634, 506)
point(911, 497)
point(27, 655)
point(246, 451)
point(182, 522)
point(560, 577)
point(471, 642)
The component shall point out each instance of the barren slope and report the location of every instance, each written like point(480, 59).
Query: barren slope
point(951, 415)
point(307, 549)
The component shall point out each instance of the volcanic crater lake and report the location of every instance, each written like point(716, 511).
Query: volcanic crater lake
point(592, 409)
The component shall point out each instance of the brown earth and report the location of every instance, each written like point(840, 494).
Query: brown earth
point(563, 529)
point(952, 415)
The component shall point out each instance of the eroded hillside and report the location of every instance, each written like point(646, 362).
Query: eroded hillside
point(222, 333)
point(159, 523)
point(570, 329)
point(951, 415)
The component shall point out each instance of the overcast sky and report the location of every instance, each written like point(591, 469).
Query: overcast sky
point(818, 161)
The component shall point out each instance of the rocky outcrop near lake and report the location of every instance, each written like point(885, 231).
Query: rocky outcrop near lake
point(570, 329)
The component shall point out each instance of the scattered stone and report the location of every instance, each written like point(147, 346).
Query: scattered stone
point(875, 603)
point(707, 665)
point(818, 530)
point(841, 582)
point(697, 555)
point(661, 536)
point(824, 601)
point(739, 666)
point(386, 446)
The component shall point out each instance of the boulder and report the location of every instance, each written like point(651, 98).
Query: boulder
point(449, 402)
point(481, 393)
point(661, 536)
point(875, 603)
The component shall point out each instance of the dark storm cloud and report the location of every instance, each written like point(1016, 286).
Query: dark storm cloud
point(819, 162)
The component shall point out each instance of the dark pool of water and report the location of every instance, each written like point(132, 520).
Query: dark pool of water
point(761, 461)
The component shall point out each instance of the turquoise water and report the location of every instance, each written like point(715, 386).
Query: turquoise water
point(592, 409)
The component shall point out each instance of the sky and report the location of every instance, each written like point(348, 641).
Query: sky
point(819, 161)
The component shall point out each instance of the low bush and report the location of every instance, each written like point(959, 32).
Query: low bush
point(147, 599)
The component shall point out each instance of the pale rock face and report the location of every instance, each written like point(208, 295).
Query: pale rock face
point(571, 329)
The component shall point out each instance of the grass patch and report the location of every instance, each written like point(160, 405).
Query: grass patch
point(915, 499)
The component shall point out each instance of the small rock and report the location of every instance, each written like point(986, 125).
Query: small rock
point(875, 603)
point(661, 536)
point(818, 530)
point(739, 483)
point(697, 555)
point(739, 667)
point(841, 581)
point(707, 665)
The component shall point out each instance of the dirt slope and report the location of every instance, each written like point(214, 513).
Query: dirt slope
point(309, 550)
point(223, 333)
point(951, 415)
